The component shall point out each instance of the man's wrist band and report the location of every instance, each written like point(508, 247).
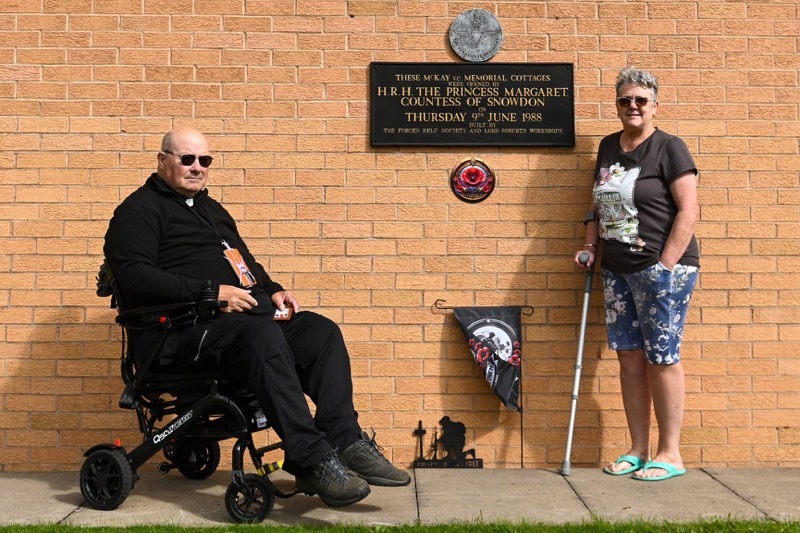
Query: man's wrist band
point(588, 245)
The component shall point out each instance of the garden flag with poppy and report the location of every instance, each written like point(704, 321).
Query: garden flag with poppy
point(493, 334)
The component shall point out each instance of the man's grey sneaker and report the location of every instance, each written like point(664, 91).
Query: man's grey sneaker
point(364, 457)
point(335, 484)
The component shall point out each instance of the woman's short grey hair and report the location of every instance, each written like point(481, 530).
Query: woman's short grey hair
point(639, 77)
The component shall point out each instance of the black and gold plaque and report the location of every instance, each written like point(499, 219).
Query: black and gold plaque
point(475, 104)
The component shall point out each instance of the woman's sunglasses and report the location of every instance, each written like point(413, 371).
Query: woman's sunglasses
point(187, 160)
point(625, 101)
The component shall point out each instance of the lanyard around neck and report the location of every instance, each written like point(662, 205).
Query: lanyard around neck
point(208, 222)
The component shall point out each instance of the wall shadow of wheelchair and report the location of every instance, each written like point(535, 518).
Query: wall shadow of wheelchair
point(183, 414)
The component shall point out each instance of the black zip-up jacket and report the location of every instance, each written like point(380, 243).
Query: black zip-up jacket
point(163, 251)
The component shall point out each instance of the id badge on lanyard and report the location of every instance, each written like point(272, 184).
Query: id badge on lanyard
point(236, 261)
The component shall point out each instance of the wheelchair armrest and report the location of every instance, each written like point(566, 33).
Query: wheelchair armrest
point(150, 311)
point(167, 314)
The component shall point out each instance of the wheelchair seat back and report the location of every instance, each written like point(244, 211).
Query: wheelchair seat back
point(141, 373)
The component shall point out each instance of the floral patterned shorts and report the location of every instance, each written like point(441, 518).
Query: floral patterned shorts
point(647, 310)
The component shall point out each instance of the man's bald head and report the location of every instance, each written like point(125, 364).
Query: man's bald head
point(179, 142)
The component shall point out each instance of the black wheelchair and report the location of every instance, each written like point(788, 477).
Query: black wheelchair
point(185, 415)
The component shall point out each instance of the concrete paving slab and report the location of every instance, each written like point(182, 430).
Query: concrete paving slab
point(694, 496)
point(156, 499)
point(774, 491)
point(38, 498)
point(163, 499)
point(174, 499)
point(484, 495)
point(434, 496)
point(384, 506)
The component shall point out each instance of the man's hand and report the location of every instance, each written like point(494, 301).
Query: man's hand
point(239, 300)
point(283, 299)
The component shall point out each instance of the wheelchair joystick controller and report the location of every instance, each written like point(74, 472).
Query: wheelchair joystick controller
point(208, 304)
point(208, 292)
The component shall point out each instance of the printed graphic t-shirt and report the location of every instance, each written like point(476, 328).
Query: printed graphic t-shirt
point(633, 202)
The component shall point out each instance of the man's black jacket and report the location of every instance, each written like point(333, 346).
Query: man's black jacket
point(163, 251)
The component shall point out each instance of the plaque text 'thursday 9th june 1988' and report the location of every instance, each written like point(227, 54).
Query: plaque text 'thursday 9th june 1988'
point(489, 104)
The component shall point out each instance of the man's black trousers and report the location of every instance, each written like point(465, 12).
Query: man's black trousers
point(280, 361)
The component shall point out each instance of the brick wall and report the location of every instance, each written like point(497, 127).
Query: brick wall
point(373, 236)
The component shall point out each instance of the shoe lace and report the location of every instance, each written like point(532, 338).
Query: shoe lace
point(332, 464)
point(373, 448)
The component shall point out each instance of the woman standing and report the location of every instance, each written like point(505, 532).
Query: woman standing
point(643, 214)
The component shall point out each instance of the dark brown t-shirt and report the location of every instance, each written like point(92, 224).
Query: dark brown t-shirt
point(633, 202)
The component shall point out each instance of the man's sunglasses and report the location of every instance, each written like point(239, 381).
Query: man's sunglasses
point(187, 160)
point(625, 101)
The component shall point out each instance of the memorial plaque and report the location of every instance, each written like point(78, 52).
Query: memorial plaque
point(472, 104)
point(472, 180)
point(476, 35)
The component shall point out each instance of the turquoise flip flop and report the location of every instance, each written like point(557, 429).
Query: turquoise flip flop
point(636, 464)
point(671, 471)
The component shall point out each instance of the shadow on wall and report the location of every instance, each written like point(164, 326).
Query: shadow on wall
point(537, 438)
point(550, 355)
point(62, 378)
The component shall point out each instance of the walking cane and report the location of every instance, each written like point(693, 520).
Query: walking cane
point(583, 258)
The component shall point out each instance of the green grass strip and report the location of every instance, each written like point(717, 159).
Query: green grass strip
point(712, 526)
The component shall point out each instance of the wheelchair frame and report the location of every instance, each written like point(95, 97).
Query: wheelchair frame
point(203, 409)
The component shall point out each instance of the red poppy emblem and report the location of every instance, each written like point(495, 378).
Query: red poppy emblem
point(472, 180)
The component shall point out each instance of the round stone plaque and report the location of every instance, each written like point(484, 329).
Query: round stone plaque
point(476, 35)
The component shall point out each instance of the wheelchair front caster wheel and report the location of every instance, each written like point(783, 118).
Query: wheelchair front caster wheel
point(106, 479)
point(253, 502)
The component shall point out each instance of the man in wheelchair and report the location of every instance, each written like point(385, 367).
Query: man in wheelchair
point(168, 242)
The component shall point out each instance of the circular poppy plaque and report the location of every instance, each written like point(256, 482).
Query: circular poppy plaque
point(472, 180)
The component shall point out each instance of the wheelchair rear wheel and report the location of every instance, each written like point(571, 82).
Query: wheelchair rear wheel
point(194, 463)
point(106, 479)
point(253, 507)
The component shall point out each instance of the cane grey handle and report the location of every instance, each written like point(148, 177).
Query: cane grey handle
point(583, 258)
